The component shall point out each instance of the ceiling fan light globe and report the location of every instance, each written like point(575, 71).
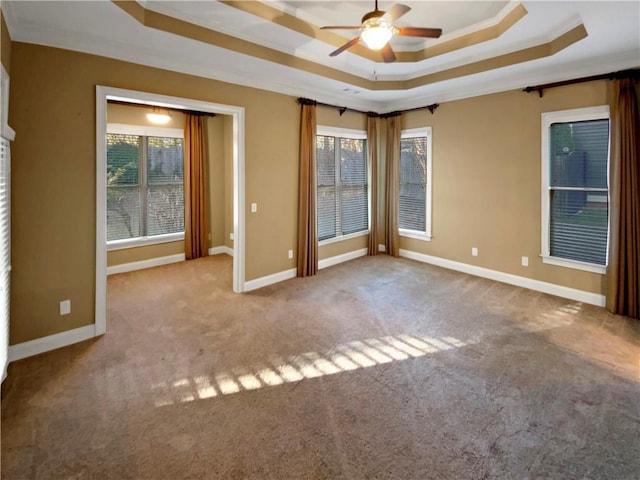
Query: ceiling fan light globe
point(376, 37)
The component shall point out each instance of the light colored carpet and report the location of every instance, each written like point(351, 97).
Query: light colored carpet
point(377, 368)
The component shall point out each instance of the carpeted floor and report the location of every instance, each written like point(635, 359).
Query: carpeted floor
point(378, 368)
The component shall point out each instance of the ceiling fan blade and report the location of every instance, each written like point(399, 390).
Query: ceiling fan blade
point(347, 45)
point(387, 54)
point(419, 32)
point(336, 27)
point(396, 12)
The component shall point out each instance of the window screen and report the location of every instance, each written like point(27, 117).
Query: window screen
point(342, 203)
point(145, 186)
point(578, 190)
point(413, 184)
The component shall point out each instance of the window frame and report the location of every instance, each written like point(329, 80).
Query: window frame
point(600, 112)
point(339, 132)
point(144, 131)
point(417, 234)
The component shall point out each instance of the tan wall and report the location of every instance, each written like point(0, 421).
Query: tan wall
point(486, 181)
point(134, 115)
point(228, 180)
point(5, 45)
point(486, 178)
point(217, 178)
point(146, 252)
point(54, 166)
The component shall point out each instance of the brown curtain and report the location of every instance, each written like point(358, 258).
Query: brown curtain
point(307, 229)
point(391, 237)
point(372, 152)
point(196, 243)
point(623, 270)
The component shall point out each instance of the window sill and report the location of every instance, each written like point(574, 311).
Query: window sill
point(329, 241)
point(575, 264)
point(414, 234)
point(143, 241)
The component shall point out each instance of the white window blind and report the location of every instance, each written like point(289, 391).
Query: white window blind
point(343, 191)
point(145, 186)
point(5, 251)
point(578, 190)
point(415, 176)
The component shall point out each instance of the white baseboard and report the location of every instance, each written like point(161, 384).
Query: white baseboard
point(51, 342)
point(221, 249)
point(537, 285)
point(269, 280)
point(152, 262)
point(382, 248)
point(345, 257)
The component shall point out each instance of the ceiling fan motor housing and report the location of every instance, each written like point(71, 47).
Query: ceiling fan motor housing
point(374, 14)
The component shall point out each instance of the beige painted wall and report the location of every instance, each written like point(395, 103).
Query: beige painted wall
point(54, 169)
point(228, 180)
point(5, 45)
point(220, 161)
point(486, 178)
point(486, 181)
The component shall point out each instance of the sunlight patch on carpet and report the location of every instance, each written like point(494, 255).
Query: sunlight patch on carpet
point(345, 357)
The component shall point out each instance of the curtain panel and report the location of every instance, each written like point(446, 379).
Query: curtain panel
point(392, 186)
point(372, 152)
point(307, 227)
point(196, 242)
point(623, 266)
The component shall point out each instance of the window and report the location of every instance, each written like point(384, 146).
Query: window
point(575, 194)
point(343, 189)
point(145, 185)
point(414, 215)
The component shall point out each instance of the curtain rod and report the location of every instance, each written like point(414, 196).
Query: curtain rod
point(631, 73)
point(173, 109)
point(307, 101)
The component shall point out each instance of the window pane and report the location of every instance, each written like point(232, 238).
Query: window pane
point(326, 181)
point(579, 154)
point(164, 161)
point(579, 224)
point(355, 205)
point(165, 209)
point(413, 183)
point(123, 159)
point(326, 208)
point(326, 160)
point(123, 212)
point(353, 180)
point(123, 192)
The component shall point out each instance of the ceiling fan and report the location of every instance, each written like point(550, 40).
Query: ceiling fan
point(377, 29)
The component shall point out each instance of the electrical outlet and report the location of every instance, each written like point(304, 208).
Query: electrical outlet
point(525, 261)
point(65, 307)
point(290, 254)
point(474, 251)
point(254, 207)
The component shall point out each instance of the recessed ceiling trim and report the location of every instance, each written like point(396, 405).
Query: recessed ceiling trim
point(525, 55)
point(473, 38)
point(296, 24)
point(291, 22)
point(186, 29)
point(159, 21)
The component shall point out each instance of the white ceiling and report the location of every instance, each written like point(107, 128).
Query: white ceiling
point(103, 28)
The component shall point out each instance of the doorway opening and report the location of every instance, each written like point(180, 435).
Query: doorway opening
point(231, 116)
